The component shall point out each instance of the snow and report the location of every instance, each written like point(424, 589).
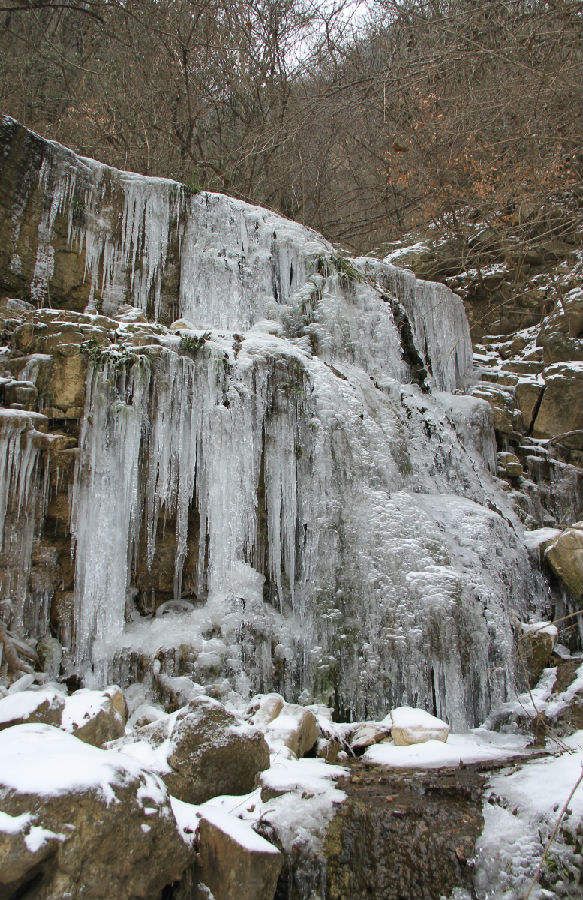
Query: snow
point(538, 536)
point(37, 836)
point(540, 628)
point(238, 830)
point(301, 813)
point(476, 746)
point(40, 759)
point(22, 704)
point(187, 819)
point(14, 824)
point(82, 705)
point(312, 775)
point(520, 810)
point(410, 717)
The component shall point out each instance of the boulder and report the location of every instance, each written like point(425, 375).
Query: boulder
point(96, 717)
point(560, 409)
point(234, 861)
point(264, 708)
point(294, 727)
point(565, 558)
point(31, 706)
point(367, 734)
point(527, 394)
point(203, 751)
point(415, 726)
point(82, 822)
point(535, 647)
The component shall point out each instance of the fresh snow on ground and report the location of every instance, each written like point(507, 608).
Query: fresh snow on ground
point(475, 746)
point(521, 808)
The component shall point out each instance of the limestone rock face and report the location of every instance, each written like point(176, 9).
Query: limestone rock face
point(208, 751)
point(234, 861)
point(415, 726)
point(85, 823)
point(565, 558)
point(562, 402)
point(295, 727)
point(561, 333)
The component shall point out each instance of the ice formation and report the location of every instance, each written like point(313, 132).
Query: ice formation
point(337, 530)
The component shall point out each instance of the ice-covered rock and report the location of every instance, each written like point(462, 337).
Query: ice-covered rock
point(283, 477)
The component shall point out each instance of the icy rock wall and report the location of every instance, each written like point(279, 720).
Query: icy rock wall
point(336, 528)
point(332, 551)
point(80, 235)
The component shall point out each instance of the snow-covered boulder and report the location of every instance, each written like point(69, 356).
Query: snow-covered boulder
point(234, 861)
point(84, 822)
point(264, 708)
point(295, 728)
point(96, 717)
point(201, 751)
point(415, 726)
point(369, 733)
point(31, 706)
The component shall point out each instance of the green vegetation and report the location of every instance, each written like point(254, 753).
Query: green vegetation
point(336, 264)
point(190, 344)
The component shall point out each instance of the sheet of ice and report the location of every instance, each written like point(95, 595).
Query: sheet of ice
point(475, 746)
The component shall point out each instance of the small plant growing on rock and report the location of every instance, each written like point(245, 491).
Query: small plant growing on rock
point(190, 344)
point(338, 264)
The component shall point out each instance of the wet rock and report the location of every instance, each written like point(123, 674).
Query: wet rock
point(527, 395)
point(93, 824)
point(403, 835)
point(234, 861)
